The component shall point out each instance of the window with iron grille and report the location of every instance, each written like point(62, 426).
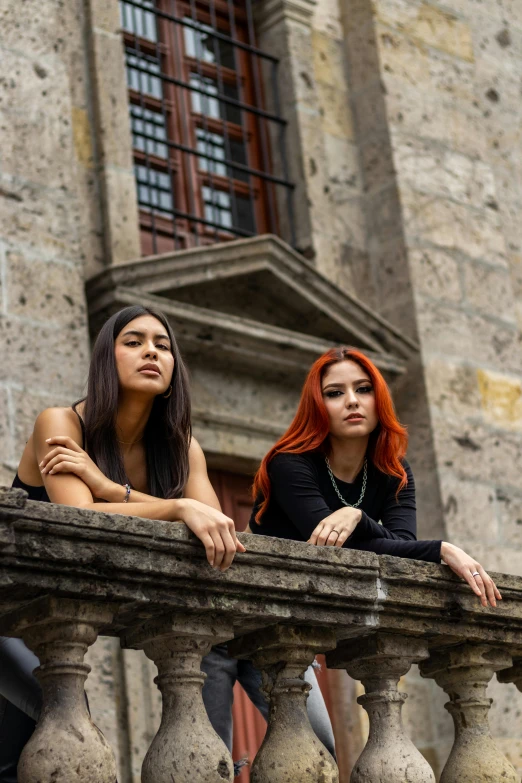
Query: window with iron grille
point(201, 134)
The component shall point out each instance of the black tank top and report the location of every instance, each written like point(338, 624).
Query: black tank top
point(40, 493)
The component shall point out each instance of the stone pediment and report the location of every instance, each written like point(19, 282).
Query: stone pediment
point(253, 301)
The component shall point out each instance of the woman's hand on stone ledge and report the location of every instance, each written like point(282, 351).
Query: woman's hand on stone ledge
point(336, 528)
point(213, 528)
point(470, 569)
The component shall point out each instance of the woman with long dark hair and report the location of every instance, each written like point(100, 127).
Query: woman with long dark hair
point(127, 445)
point(339, 477)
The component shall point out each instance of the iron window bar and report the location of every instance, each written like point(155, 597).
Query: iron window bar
point(171, 59)
point(224, 161)
point(215, 95)
point(195, 219)
point(196, 26)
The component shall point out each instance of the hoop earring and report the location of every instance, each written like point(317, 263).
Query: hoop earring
point(166, 396)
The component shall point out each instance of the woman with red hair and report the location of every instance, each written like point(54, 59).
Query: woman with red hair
point(339, 477)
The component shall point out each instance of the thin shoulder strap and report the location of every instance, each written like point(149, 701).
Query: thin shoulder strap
point(82, 425)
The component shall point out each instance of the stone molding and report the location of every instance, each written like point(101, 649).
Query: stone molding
point(144, 568)
point(273, 12)
point(235, 260)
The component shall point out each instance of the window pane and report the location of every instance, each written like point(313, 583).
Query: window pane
point(212, 106)
point(148, 123)
point(203, 46)
point(137, 80)
point(213, 145)
point(154, 190)
point(140, 22)
point(218, 209)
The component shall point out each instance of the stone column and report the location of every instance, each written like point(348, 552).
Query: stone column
point(66, 746)
point(464, 673)
point(513, 674)
point(186, 747)
point(284, 28)
point(290, 751)
point(379, 662)
point(113, 133)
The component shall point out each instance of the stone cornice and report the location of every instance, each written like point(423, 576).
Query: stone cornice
point(144, 568)
point(272, 12)
point(238, 260)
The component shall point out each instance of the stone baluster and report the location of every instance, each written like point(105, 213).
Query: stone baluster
point(379, 662)
point(186, 747)
point(464, 672)
point(66, 746)
point(291, 751)
point(513, 674)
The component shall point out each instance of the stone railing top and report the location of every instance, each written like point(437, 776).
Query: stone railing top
point(138, 569)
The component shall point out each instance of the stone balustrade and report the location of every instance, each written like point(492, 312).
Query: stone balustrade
point(68, 575)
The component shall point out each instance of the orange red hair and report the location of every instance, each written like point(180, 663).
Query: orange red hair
point(310, 428)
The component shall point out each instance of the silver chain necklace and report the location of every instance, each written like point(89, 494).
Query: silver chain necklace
point(363, 490)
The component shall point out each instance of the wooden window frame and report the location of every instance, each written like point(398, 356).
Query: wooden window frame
point(182, 122)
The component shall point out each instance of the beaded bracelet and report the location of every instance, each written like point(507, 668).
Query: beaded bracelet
point(127, 493)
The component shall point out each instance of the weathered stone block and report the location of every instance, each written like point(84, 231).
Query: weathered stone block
point(59, 365)
point(429, 168)
point(489, 290)
point(34, 216)
point(501, 397)
point(329, 59)
point(470, 510)
point(45, 290)
point(327, 18)
point(344, 175)
point(476, 452)
point(105, 16)
point(335, 110)
point(122, 239)
point(453, 388)
point(37, 108)
point(112, 106)
point(457, 333)
point(436, 273)
point(82, 137)
point(39, 28)
point(475, 232)
point(428, 25)
point(509, 504)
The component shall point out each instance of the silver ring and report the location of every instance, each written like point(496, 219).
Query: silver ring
point(475, 573)
point(336, 531)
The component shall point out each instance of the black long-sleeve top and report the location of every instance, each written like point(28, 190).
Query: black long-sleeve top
point(302, 495)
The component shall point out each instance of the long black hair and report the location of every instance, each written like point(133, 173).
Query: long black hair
point(168, 430)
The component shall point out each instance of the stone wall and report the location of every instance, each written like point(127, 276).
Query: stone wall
point(50, 223)
point(437, 126)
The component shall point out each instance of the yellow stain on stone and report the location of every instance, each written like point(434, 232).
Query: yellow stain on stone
point(331, 86)
point(429, 25)
point(82, 137)
point(501, 399)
